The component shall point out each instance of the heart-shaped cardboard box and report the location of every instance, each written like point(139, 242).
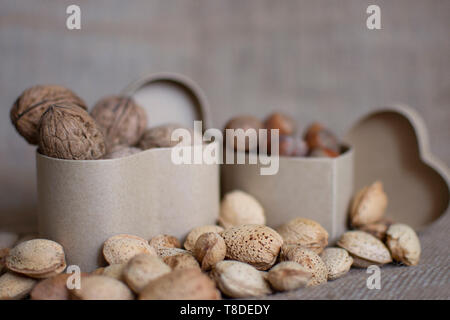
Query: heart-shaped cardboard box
point(389, 144)
point(83, 202)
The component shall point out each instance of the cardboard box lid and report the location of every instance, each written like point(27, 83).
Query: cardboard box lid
point(170, 98)
point(391, 145)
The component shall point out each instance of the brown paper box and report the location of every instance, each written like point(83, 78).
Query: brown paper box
point(82, 203)
point(314, 188)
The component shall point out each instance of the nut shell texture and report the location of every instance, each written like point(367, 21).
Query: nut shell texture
point(14, 286)
point(38, 258)
point(306, 233)
point(184, 284)
point(69, 132)
point(369, 205)
point(256, 245)
point(29, 107)
point(288, 275)
point(338, 262)
point(308, 259)
point(209, 249)
point(121, 120)
point(364, 246)
point(101, 288)
point(404, 244)
point(238, 208)
point(239, 280)
point(192, 237)
point(121, 248)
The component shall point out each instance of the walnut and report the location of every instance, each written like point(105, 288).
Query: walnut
point(160, 137)
point(121, 120)
point(32, 103)
point(69, 132)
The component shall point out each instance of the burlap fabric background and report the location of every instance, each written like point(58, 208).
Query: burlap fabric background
point(429, 280)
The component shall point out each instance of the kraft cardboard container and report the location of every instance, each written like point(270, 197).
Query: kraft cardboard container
point(390, 145)
point(314, 188)
point(82, 203)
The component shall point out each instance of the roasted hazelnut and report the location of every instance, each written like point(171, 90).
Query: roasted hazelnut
point(317, 136)
point(69, 132)
point(292, 146)
point(29, 107)
point(323, 153)
point(280, 121)
point(161, 137)
point(245, 123)
point(121, 120)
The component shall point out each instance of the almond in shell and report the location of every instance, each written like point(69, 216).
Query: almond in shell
point(404, 244)
point(369, 205)
point(121, 248)
point(288, 275)
point(338, 262)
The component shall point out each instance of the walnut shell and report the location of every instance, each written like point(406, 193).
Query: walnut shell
point(29, 107)
point(121, 120)
point(69, 132)
point(161, 137)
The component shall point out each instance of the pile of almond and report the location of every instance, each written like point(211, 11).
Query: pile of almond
point(239, 258)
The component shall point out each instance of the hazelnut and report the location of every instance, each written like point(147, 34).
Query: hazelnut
point(292, 146)
point(245, 123)
point(29, 107)
point(121, 120)
point(161, 137)
point(69, 132)
point(238, 208)
point(209, 249)
point(280, 121)
point(317, 136)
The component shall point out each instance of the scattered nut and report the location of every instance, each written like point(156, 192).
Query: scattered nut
point(304, 232)
point(369, 205)
point(308, 259)
point(288, 275)
point(29, 107)
point(161, 137)
point(121, 120)
point(54, 288)
point(169, 252)
point(8, 239)
point(101, 288)
point(404, 244)
point(209, 249)
point(377, 229)
point(3, 253)
point(181, 261)
point(256, 245)
point(14, 286)
point(239, 280)
point(114, 271)
point(338, 262)
point(121, 248)
point(292, 146)
point(68, 132)
point(164, 241)
point(39, 258)
point(238, 208)
point(245, 123)
point(365, 249)
point(280, 121)
point(121, 152)
point(181, 285)
point(192, 237)
point(317, 136)
point(143, 268)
